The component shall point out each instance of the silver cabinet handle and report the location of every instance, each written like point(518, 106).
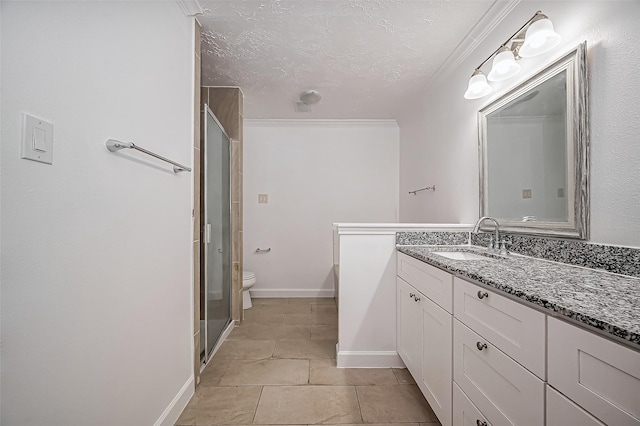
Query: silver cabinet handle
point(416, 298)
point(412, 295)
point(482, 294)
point(481, 346)
point(480, 423)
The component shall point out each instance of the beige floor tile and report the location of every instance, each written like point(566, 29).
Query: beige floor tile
point(267, 372)
point(324, 332)
point(269, 301)
point(311, 318)
point(286, 309)
point(324, 309)
point(434, 423)
point(324, 372)
point(245, 349)
point(324, 319)
point(305, 349)
point(217, 405)
point(316, 300)
point(308, 405)
point(393, 403)
point(393, 424)
point(256, 317)
point(297, 319)
point(403, 376)
point(270, 332)
point(214, 371)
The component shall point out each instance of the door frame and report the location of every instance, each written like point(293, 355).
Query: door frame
point(209, 352)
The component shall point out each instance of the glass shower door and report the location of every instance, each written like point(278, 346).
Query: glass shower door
point(217, 233)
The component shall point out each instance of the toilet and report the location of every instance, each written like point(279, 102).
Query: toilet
point(248, 280)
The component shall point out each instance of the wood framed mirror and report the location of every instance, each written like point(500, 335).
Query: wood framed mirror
point(534, 153)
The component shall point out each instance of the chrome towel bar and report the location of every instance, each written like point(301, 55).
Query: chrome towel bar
point(115, 145)
point(423, 189)
point(259, 250)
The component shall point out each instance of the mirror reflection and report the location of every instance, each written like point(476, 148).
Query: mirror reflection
point(527, 155)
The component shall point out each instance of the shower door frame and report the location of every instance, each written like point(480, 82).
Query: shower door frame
point(209, 351)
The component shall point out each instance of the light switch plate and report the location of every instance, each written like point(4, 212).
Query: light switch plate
point(526, 193)
point(37, 139)
point(263, 198)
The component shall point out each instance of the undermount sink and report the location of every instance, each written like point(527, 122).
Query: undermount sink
point(462, 255)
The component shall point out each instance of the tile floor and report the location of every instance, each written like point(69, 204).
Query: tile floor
point(279, 368)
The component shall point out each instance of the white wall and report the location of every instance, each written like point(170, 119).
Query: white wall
point(438, 131)
point(315, 173)
point(1, 96)
point(96, 248)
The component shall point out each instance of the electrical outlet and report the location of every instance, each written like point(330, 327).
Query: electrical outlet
point(526, 193)
point(263, 198)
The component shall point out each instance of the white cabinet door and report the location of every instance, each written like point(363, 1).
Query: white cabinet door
point(601, 376)
point(409, 327)
point(434, 283)
point(518, 330)
point(436, 380)
point(562, 411)
point(504, 391)
point(464, 412)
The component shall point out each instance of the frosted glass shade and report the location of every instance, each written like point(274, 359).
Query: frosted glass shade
point(478, 86)
point(539, 38)
point(504, 66)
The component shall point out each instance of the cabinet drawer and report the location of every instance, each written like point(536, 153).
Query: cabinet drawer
point(562, 411)
point(601, 376)
point(519, 331)
point(504, 391)
point(464, 412)
point(434, 283)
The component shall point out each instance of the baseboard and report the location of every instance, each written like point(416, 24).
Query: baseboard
point(286, 292)
point(170, 415)
point(369, 359)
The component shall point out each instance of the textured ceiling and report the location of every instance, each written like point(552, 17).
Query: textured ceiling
point(366, 57)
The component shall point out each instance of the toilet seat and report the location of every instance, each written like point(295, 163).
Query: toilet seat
point(248, 279)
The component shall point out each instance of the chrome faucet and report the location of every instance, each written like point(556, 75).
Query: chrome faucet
point(495, 244)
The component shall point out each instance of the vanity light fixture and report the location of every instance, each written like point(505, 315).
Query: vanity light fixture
point(539, 38)
point(534, 38)
point(478, 86)
point(504, 65)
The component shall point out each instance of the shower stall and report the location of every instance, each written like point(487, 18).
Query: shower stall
point(215, 283)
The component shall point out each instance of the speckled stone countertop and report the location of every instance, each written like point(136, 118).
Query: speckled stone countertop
point(601, 300)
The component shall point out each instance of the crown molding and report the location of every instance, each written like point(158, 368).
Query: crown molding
point(498, 11)
point(190, 7)
point(318, 122)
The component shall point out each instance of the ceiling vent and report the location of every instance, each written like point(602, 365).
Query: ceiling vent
point(307, 98)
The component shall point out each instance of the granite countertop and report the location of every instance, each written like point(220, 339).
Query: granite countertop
point(602, 300)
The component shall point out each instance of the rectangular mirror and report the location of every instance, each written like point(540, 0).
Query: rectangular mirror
point(534, 153)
